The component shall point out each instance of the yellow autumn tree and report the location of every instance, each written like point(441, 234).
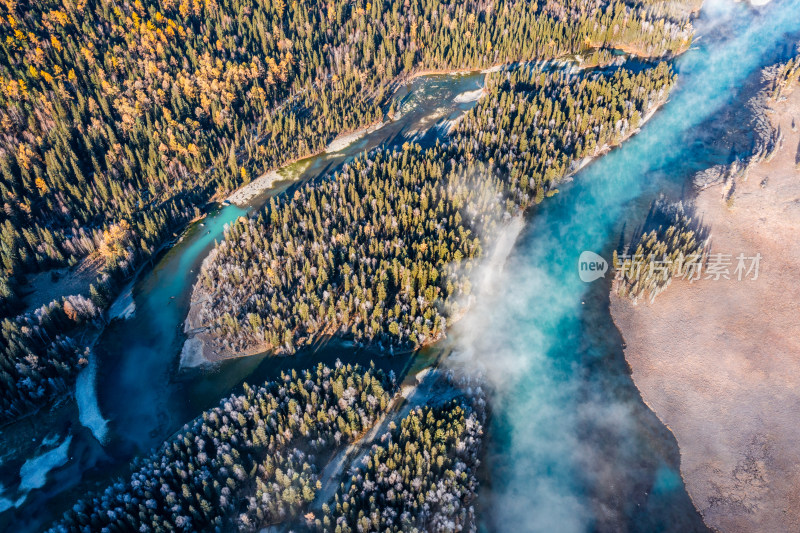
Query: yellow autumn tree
point(115, 240)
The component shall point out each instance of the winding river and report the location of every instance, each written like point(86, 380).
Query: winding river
point(134, 394)
point(572, 446)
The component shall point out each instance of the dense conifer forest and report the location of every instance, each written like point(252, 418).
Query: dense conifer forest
point(421, 477)
point(39, 360)
point(671, 243)
point(384, 250)
point(246, 464)
point(129, 112)
point(122, 119)
point(254, 461)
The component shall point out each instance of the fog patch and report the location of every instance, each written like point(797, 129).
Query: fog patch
point(526, 332)
point(192, 354)
point(503, 339)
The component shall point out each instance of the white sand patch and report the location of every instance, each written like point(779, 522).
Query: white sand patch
point(343, 141)
point(86, 397)
point(192, 354)
point(420, 376)
point(246, 193)
point(34, 471)
point(469, 96)
point(123, 307)
point(407, 390)
point(290, 171)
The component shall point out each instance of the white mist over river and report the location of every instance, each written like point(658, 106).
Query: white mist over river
point(574, 448)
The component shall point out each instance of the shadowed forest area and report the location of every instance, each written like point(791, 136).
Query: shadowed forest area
point(254, 461)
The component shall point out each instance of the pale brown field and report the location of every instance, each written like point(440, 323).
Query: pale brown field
point(719, 361)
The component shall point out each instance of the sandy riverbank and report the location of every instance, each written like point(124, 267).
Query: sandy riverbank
point(719, 361)
point(245, 193)
point(201, 347)
point(266, 181)
point(343, 141)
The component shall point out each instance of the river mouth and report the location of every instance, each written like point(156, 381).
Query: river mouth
point(143, 397)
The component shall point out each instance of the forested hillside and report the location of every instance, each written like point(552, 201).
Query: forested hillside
point(39, 361)
point(385, 249)
point(130, 112)
point(122, 119)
